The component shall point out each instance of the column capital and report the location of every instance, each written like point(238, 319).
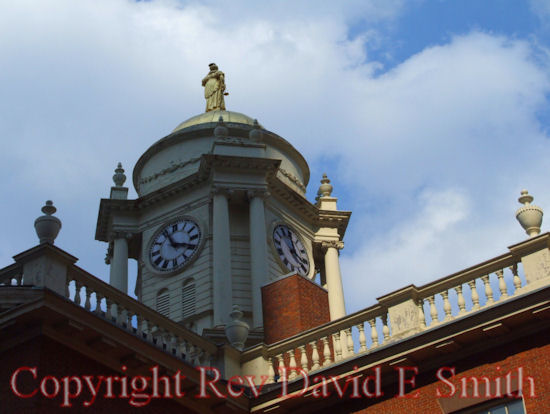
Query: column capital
point(337, 244)
point(120, 234)
point(218, 190)
point(257, 193)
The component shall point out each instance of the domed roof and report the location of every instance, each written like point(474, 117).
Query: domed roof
point(214, 116)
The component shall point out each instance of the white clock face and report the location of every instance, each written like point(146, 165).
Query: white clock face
point(291, 250)
point(174, 245)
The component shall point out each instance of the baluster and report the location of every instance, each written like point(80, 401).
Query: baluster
point(502, 285)
point(98, 299)
point(421, 316)
point(88, 292)
point(447, 305)
point(270, 371)
point(160, 337)
point(190, 353)
point(373, 333)
point(292, 365)
point(129, 316)
point(76, 298)
point(314, 356)
point(303, 357)
point(139, 328)
point(67, 291)
point(168, 338)
point(460, 300)
point(197, 357)
point(206, 359)
point(362, 338)
point(517, 280)
point(280, 365)
point(183, 349)
point(488, 290)
point(109, 305)
point(119, 315)
point(327, 357)
point(475, 296)
point(147, 330)
point(337, 347)
point(385, 328)
point(350, 344)
point(433, 310)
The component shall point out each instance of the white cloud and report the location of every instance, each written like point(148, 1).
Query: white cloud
point(541, 8)
point(407, 253)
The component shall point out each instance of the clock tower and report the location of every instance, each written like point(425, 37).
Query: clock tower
point(221, 213)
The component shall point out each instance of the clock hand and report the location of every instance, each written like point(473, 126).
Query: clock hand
point(189, 246)
point(169, 237)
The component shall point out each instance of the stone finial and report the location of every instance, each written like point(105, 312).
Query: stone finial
point(529, 216)
point(325, 189)
point(236, 331)
point(221, 130)
point(255, 133)
point(47, 226)
point(119, 178)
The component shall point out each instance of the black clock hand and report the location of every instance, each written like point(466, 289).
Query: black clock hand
point(169, 237)
point(189, 246)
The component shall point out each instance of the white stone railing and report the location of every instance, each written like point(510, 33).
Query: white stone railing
point(328, 344)
point(407, 312)
point(47, 266)
point(468, 291)
point(115, 306)
point(11, 275)
point(398, 315)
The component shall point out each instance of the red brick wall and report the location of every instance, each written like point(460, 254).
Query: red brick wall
point(292, 305)
point(52, 358)
point(533, 354)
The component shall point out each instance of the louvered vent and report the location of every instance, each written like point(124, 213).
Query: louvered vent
point(163, 302)
point(188, 298)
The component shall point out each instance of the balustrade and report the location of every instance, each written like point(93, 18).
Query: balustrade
point(431, 305)
point(439, 302)
point(12, 275)
point(482, 290)
point(84, 289)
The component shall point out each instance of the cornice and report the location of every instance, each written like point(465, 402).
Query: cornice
point(276, 187)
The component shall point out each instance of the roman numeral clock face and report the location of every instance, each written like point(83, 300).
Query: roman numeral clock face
point(173, 246)
point(290, 249)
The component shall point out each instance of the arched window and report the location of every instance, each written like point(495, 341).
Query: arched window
point(188, 298)
point(163, 302)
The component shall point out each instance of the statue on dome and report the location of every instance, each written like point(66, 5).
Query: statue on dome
point(214, 89)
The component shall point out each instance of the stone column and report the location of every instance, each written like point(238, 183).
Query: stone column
point(221, 280)
point(258, 252)
point(334, 279)
point(118, 276)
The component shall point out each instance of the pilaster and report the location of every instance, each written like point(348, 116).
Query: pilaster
point(258, 251)
point(221, 279)
point(118, 275)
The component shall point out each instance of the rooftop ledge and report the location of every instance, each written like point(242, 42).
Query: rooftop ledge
point(483, 289)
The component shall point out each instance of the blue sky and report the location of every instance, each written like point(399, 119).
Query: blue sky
point(428, 116)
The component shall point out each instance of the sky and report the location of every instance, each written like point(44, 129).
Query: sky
point(428, 116)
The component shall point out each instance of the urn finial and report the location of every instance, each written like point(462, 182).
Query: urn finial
point(529, 216)
point(47, 226)
point(237, 330)
point(255, 133)
point(221, 130)
point(325, 189)
point(119, 178)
